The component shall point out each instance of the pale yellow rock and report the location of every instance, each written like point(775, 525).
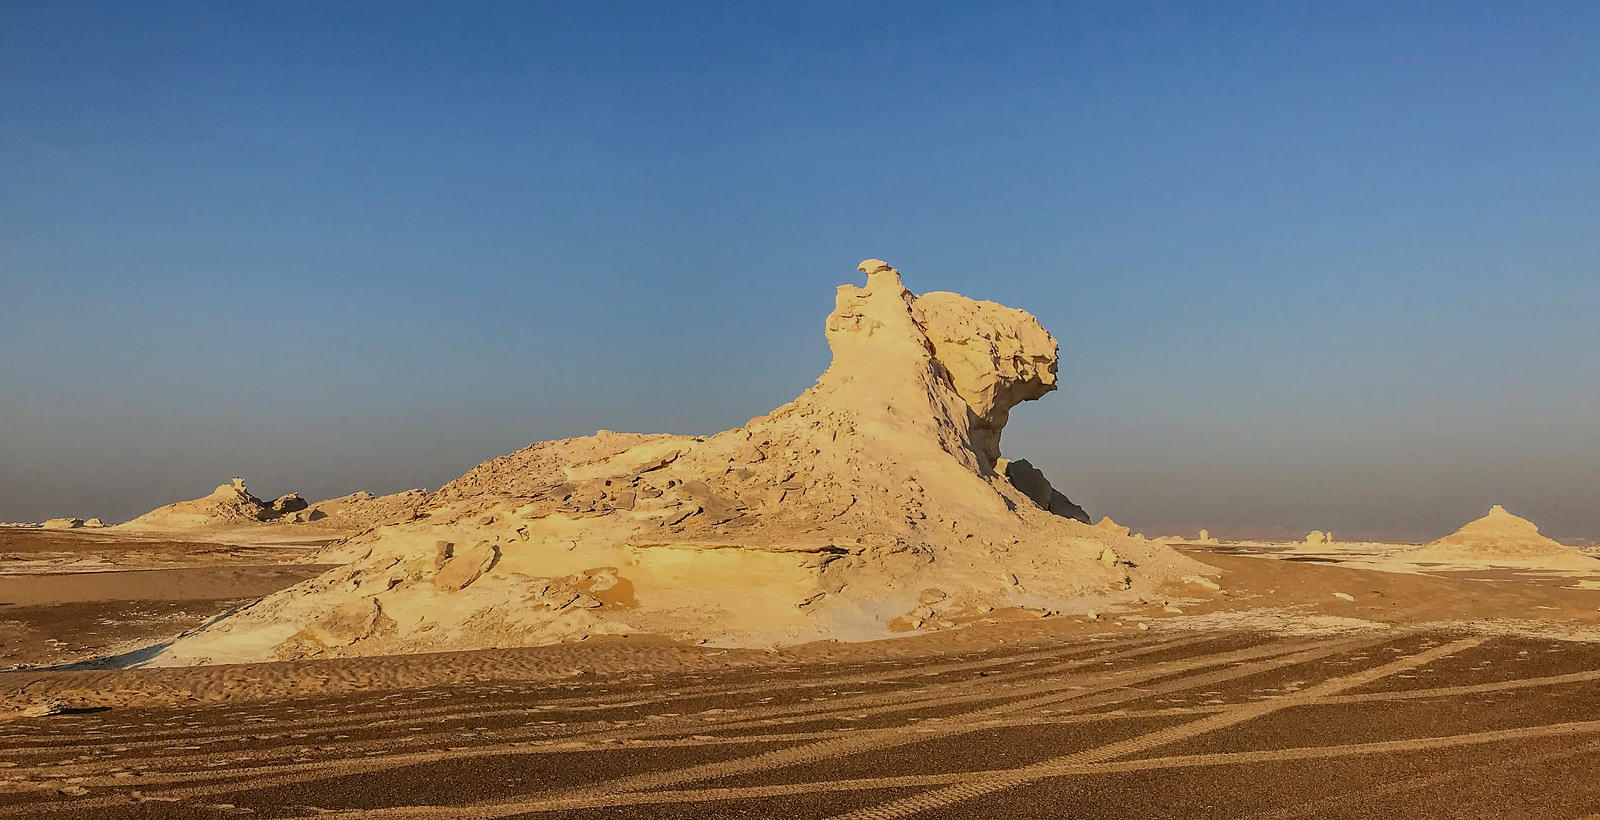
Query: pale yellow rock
point(229, 504)
point(1110, 526)
point(878, 484)
point(1500, 537)
point(466, 566)
point(231, 507)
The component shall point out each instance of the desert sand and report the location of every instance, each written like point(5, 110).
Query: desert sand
point(857, 605)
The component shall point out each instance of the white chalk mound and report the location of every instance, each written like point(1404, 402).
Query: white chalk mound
point(1503, 537)
point(875, 502)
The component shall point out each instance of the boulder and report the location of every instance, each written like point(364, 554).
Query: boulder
point(461, 569)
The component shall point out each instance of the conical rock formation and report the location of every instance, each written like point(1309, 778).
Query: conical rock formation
point(1501, 536)
point(875, 502)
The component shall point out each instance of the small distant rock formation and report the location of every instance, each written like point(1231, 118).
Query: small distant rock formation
point(1110, 526)
point(1501, 536)
point(833, 516)
point(229, 504)
point(62, 523)
point(1205, 538)
point(1317, 538)
point(232, 505)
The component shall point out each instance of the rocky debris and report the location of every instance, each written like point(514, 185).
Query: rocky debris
point(877, 487)
point(1035, 486)
point(54, 706)
point(363, 510)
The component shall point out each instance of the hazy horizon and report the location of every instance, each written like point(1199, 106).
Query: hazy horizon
point(1334, 270)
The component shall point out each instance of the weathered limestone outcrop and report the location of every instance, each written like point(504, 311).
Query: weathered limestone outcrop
point(831, 516)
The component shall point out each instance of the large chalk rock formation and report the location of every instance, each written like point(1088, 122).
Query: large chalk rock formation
point(876, 501)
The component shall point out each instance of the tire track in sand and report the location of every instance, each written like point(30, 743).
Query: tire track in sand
point(671, 797)
point(981, 688)
point(1114, 689)
point(973, 788)
point(576, 703)
point(240, 779)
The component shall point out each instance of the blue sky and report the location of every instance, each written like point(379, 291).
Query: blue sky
point(1331, 267)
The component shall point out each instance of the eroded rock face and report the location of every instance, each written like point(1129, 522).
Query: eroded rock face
point(831, 516)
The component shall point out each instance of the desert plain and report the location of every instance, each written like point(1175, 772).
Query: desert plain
point(859, 605)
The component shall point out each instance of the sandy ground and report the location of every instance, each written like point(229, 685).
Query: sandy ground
point(1298, 689)
point(1397, 723)
point(71, 596)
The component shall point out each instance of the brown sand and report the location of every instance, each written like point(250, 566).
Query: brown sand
point(1280, 689)
point(1164, 724)
point(71, 596)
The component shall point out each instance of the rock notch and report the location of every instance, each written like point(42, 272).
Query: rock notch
point(830, 517)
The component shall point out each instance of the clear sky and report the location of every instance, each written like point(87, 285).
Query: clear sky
point(1332, 267)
